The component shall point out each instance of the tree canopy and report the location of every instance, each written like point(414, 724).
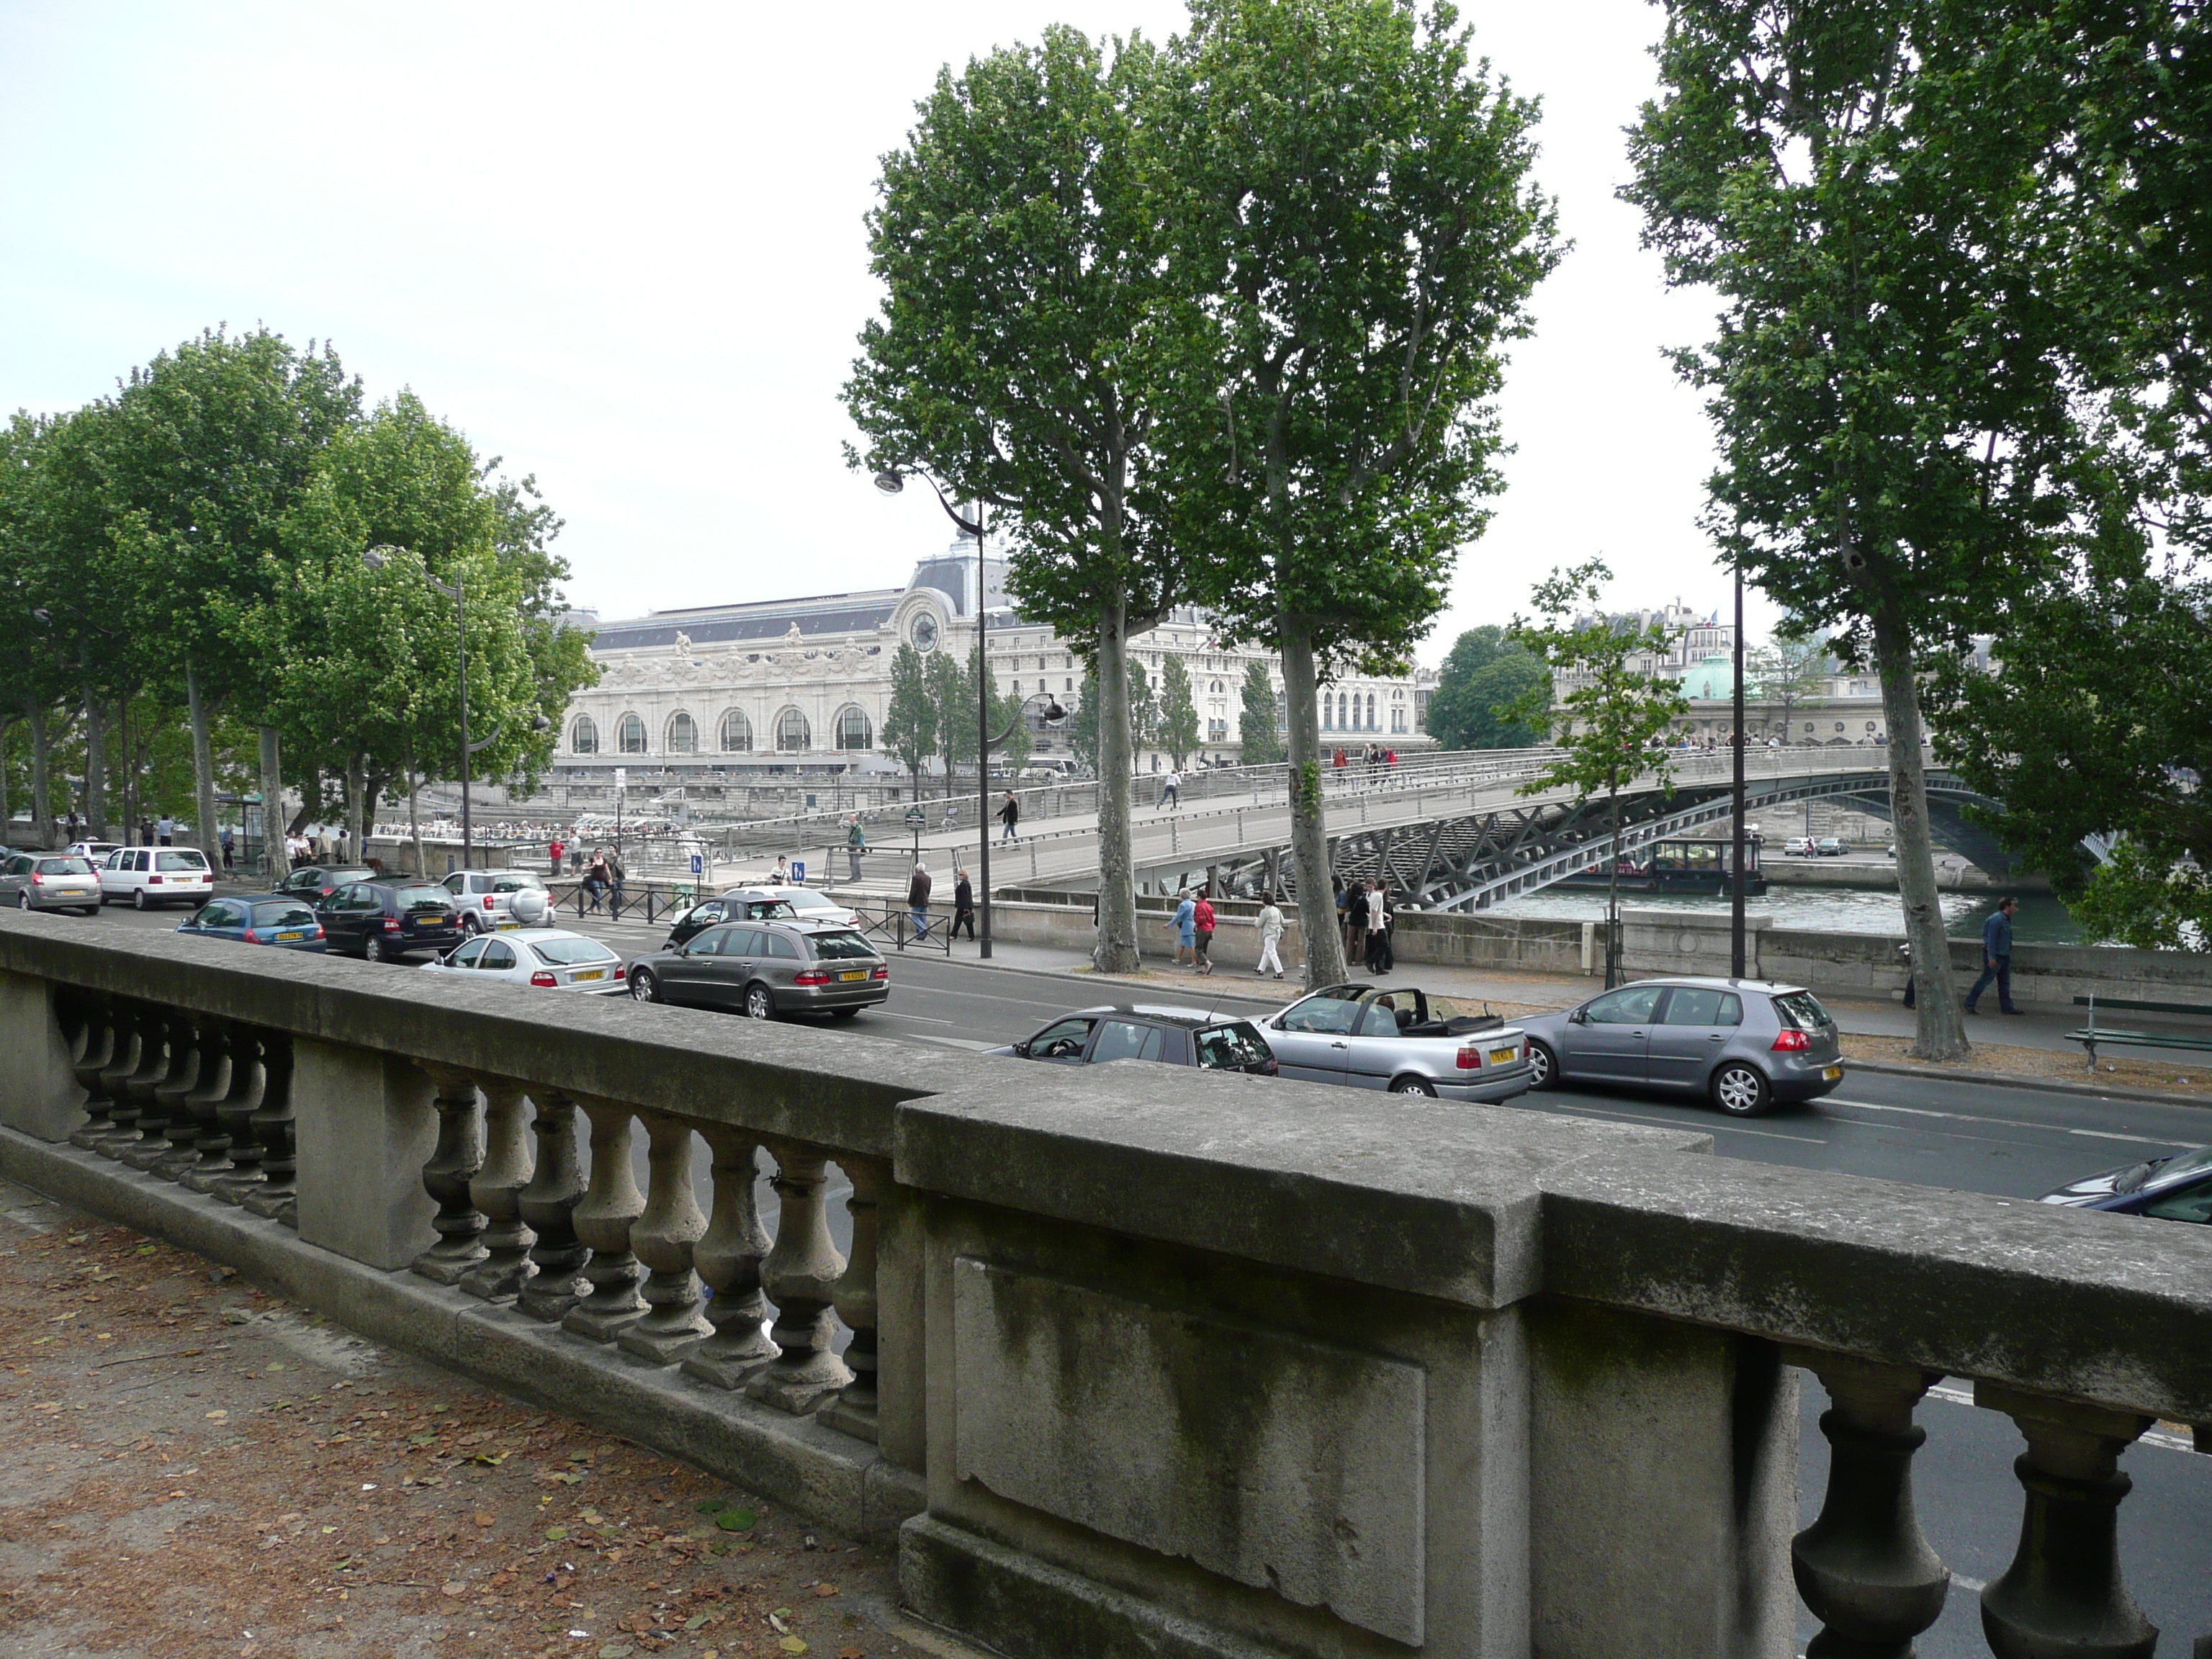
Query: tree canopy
point(1486, 676)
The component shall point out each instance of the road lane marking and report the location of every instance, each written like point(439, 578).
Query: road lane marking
point(1678, 1123)
point(2165, 1440)
point(2137, 1141)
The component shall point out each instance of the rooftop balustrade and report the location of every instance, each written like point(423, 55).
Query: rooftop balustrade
point(1139, 1360)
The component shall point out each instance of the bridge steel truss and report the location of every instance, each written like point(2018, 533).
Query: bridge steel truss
point(1477, 860)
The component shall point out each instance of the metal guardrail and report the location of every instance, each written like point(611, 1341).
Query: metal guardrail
point(894, 924)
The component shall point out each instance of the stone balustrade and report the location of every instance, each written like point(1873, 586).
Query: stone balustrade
point(1136, 1361)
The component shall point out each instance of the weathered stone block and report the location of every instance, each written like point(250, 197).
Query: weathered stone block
point(366, 1124)
point(1287, 1464)
point(38, 1094)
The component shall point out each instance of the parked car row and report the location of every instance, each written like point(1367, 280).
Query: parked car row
point(1805, 847)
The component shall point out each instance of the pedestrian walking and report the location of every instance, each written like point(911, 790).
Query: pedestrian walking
point(782, 876)
point(963, 903)
point(595, 877)
point(615, 876)
point(1171, 790)
point(1355, 922)
point(1010, 814)
point(230, 852)
point(952, 813)
point(917, 898)
point(1997, 958)
point(1271, 938)
point(553, 851)
point(1201, 916)
point(73, 821)
point(856, 842)
point(1904, 955)
point(165, 830)
point(1186, 928)
point(1379, 921)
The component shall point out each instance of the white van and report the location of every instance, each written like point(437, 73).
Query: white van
point(151, 877)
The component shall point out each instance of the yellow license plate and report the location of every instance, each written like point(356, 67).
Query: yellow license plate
point(848, 978)
point(1832, 1072)
point(587, 973)
point(287, 938)
point(1504, 1056)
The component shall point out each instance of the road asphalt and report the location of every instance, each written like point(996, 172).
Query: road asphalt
point(2000, 1138)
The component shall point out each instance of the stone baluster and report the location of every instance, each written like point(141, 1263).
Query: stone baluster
point(1864, 1568)
point(800, 1276)
point(674, 1321)
point(496, 1190)
point(453, 1165)
point(135, 1092)
point(90, 1056)
point(277, 1195)
point(603, 1221)
point(203, 1052)
point(2063, 1594)
point(854, 1410)
point(211, 1144)
point(728, 1258)
point(548, 1205)
point(160, 1101)
point(249, 1077)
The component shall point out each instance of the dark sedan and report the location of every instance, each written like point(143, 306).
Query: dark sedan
point(767, 969)
point(384, 921)
point(1744, 1044)
point(1174, 1036)
point(316, 881)
point(2174, 1187)
point(264, 919)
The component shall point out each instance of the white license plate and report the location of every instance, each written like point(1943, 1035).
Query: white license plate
point(1832, 1072)
point(848, 978)
point(583, 973)
point(1504, 1056)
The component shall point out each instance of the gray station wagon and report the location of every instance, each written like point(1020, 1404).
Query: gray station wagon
point(766, 970)
point(1743, 1043)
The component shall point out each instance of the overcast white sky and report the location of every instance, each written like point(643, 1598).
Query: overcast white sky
point(622, 249)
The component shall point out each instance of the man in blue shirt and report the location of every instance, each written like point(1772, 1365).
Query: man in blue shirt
point(1997, 958)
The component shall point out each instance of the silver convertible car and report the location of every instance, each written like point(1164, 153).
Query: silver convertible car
point(1743, 1043)
point(1402, 1039)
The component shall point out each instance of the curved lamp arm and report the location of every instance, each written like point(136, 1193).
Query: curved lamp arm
point(892, 481)
point(1054, 715)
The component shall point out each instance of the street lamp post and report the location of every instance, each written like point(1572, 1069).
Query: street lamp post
point(1736, 877)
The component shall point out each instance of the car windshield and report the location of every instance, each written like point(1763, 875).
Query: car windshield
point(284, 914)
point(1802, 1010)
point(1232, 1048)
point(805, 898)
point(186, 861)
point(64, 867)
point(842, 946)
point(424, 898)
point(2182, 1165)
point(563, 952)
point(1324, 1013)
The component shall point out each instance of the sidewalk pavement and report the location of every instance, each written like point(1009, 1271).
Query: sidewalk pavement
point(198, 1470)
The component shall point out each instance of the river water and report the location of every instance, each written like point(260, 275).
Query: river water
point(2041, 919)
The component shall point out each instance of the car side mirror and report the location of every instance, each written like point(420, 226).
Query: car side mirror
point(1578, 1017)
point(1023, 1050)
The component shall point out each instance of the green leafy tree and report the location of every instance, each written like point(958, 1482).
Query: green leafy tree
point(1178, 716)
point(1259, 737)
point(1144, 714)
point(1353, 202)
point(953, 694)
point(1606, 724)
point(1789, 671)
point(1027, 340)
point(1905, 331)
point(1485, 672)
point(909, 724)
point(1082, 725)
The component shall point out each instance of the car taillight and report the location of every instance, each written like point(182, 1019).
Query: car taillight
point(620, 971)
point(252, 938)
point(37, 880)
point(544, 978)
point(392, 924)
point(1270, 1068)
point(487, 900)
point(1470, 1057)
point(319, 934)
point(153, 881)
point(882, 972)
point(811, 976)
point(1790, 1042)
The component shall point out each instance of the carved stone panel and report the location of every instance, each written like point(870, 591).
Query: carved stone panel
point(1290, 1465)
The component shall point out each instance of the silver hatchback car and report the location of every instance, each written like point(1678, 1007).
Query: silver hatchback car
point(1743, 1043)
point(50, 881)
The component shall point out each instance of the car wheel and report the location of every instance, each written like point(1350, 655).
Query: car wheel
point(1740, 1091)
point(372, 948)
point(22, 901)
point(139, 898)
point(470, 928)
point(759, 1005)
point(1413, 1085)
point(1543, 1067)
point(643, 988)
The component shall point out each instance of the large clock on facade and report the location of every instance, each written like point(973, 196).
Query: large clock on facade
point(923, 633)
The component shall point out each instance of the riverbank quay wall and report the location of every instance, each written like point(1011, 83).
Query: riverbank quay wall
point(1139, 1363)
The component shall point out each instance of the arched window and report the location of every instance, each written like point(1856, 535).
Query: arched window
point(792, 736)
point(1343, 715)
point(632, 735)
point(1373, 724)
point(1328, 713)
point(852, 730)
point(585, 737)
point(737, 732)
point(683, 735)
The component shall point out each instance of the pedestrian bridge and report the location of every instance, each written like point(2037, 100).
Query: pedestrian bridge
point(1455, 833)
point(1209, 1371)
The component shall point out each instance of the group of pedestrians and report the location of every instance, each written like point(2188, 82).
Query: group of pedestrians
point(1369, 912)
point(1378, 761)
point(921, 884)
point(1194, 926)
point(604, 876)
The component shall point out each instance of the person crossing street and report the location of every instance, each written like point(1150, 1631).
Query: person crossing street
point(1010, 814)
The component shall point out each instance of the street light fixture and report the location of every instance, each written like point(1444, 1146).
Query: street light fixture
point(376, 558)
